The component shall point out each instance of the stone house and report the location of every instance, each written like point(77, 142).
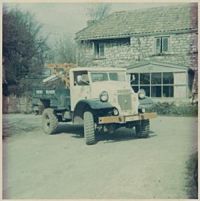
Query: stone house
point(157, 45)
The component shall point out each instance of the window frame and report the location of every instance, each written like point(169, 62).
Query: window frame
point(99, 50)
point(161, 51)
point(150, 85)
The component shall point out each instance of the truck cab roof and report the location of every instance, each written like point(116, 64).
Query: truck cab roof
point(102, 69)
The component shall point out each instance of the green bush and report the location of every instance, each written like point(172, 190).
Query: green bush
point(173, 109)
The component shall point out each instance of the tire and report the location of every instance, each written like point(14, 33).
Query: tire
point(89, 131)
point(142, 129)
point(49, 121)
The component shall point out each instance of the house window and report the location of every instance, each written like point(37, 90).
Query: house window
point(162, 45)
point(144, 82)
point(168, 84)
point(154, 84)
point(99, 50)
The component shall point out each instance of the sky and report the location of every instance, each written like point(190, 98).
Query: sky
point(68, 18)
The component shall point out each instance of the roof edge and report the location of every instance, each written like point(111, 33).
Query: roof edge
point(178, 31)
point(169, 65)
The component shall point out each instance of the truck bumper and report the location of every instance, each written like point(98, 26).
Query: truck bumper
point(125, 119)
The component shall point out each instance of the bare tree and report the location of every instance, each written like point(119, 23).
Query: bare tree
point(99, 11)
point(64, 50)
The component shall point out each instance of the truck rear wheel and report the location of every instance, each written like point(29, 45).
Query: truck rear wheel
point(142, 129)
point(89, 131)
point(49, 121)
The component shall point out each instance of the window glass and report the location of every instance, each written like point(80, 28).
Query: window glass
point(161, 85)
point(156, 78)
point(113, 76)
point(135, 88)
point(119, 76)
point(96, 77)
point(134, 78)
point(156, 91)
point(164, 44)
point(81, 78)
point(161, 45)
point(168, 78)
point(144, 78)
point(158, 45)
point(101, 49)
point(96, 49)
point(168, 91)
point(146, 89)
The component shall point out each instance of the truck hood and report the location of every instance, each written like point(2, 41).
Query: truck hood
point(109, 86)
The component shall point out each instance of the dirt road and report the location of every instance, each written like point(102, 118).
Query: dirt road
point(120, 166)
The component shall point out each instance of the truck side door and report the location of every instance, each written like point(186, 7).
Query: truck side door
point(80, 87)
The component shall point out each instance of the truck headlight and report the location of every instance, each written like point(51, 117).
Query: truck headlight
point(115, 111)
point(141, 94)
point(103, 96)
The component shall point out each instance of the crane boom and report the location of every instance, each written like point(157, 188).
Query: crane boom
point(60, 71)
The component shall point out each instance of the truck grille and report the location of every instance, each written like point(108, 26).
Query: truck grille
point(124, 101)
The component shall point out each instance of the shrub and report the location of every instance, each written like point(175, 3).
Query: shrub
point(174, 109)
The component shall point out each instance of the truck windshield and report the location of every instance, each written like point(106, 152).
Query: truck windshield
point(114, 76)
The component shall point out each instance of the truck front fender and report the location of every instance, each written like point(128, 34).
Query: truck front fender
point(85, 105)
point(96, 104)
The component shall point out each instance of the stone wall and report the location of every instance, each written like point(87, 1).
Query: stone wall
point(14, 104)
point(182, 51)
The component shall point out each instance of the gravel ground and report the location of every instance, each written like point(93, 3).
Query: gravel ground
point(59, 166)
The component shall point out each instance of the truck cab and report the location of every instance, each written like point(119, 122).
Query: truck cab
point(106, 85)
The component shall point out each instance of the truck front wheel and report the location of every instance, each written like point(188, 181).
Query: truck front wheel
point(89, 129)
point(49, 121)
point(142, 129)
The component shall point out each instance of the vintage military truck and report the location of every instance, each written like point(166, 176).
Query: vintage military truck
point(100, 99)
